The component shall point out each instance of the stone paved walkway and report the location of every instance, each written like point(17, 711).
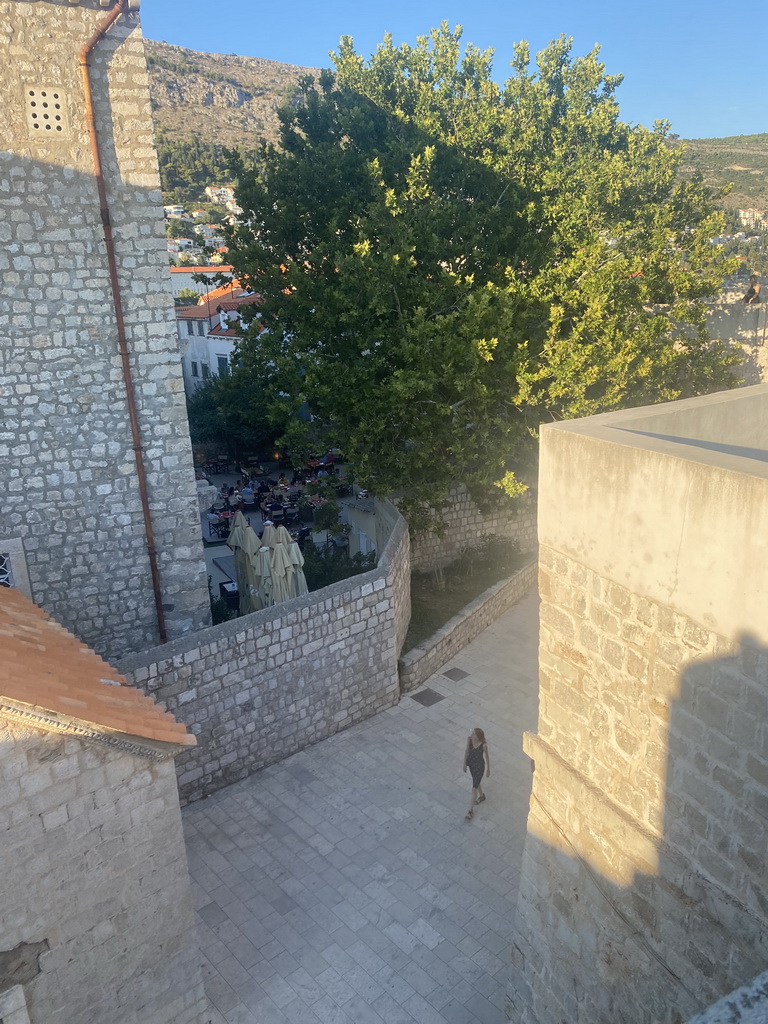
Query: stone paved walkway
point(343, 885)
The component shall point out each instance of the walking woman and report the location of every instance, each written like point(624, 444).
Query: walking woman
point(477, 758)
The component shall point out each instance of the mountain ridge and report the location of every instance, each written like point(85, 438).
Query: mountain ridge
point(231, 101)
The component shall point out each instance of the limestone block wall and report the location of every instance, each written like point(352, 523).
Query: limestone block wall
point(643, 893)
point(466, 526)
point(742, 327)
point(393, 542)
point(69, 491)
point(93, 863)
point(261, 687)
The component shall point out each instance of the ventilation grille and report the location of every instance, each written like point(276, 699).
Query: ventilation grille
point(6, 570)
point(45, 112)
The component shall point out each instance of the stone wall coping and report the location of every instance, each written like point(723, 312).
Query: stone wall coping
point(291, 610)
point(727, 429)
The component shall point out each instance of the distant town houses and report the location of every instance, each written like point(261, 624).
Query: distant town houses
point(211, 233)
point(751, 218)
point(222, 194)
point(207, 332)
point(203, 235)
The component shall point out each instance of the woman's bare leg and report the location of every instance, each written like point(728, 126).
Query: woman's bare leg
point(472, 804)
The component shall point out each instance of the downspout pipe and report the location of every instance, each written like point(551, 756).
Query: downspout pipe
point(138, 450)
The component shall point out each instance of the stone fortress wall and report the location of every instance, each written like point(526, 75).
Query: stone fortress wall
point(71, 517)
point(643, 892)
point(263, 686)
point(466, 526)
point(95, 881)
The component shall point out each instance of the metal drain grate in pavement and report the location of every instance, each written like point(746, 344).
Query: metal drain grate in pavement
point(456, 674)
point(427, 697)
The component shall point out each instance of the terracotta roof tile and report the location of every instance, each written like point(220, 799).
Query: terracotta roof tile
point(46, 667)
point(197, 270)
point(222, 298)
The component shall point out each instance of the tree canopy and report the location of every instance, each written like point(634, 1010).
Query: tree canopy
point(446, 262)
point(233, 414)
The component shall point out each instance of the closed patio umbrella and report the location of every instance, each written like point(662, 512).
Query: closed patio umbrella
point(269, 534)
point(282, 536)
point(245, 545)
point(264, 574)
point(282, 573)
point(297, 561)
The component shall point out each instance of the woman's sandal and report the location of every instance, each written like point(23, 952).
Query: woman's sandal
point(468, 816)
point(481, 798)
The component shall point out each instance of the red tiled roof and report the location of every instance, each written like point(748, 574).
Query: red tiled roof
point(225, 332)
point(210, 304)
point(231, 288)
point(198, 270)
point(45, 667)
point(191, 313)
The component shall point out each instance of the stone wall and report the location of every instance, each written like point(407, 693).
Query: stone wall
point(261, 687)
point(69, 486)
point(643, 893)
point(418, 664)
point(394, 542)
point(94, 865)
point(742, 327)
point(465, 528)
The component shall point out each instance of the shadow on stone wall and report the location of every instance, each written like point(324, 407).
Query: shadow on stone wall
point(746, 327)
point(690, 923)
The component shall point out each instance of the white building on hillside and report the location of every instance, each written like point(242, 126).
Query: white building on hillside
point(207, 333)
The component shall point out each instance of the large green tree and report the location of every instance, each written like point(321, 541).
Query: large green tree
point(446, 262)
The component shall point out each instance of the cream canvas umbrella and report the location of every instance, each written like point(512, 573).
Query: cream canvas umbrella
point(282, 571)
point(245, 544)
point(282, 536)
point(264, 574)
point(269, 534)
point(297, 561)
point(297, 583)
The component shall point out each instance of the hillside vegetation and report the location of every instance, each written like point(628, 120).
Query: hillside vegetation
point(205, 102)
point(741, 159)
point(218, 99)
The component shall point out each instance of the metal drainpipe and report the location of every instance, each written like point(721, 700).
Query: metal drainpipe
point(130, 393)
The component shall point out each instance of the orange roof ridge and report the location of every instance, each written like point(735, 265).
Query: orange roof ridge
point(197, 269)
point(50, 677)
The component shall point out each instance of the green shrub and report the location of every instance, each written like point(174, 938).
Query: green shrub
point(323, 566)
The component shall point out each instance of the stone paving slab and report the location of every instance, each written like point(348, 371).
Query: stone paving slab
point(343, 886)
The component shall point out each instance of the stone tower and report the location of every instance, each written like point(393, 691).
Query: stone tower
point(99, 514)
point(643, 891)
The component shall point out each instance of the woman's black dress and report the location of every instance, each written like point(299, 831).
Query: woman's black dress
point(476, 764)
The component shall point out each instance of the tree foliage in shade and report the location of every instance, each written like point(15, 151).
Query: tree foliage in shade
point(234, 413)
point(446, 262)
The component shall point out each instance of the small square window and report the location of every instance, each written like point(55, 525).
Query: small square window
point(195, 372)
point(13, 565)
point(190, 327)
point(200, 328)
point(205, 371)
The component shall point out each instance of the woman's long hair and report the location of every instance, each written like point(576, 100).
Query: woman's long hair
point(480, 734)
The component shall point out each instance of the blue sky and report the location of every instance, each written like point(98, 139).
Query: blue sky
point(697, 65)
